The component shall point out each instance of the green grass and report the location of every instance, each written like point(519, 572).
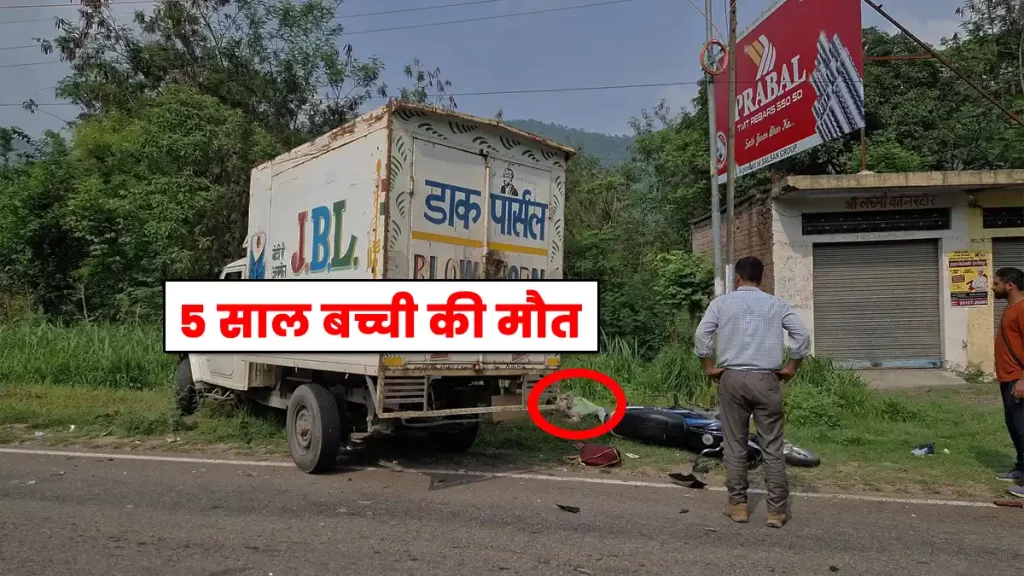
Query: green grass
point(110, 416)
point(125, 357)
point(112, 383)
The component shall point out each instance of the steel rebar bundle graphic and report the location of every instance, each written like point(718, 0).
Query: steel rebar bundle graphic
point(839, 107)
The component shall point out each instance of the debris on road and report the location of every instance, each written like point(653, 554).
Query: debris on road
point(71, 428)
point(583, 571)
point(684, 511)
point(925, 450)
point(833, 568)
point(1010, 503)
point(567, 508)
point(687, 480)
point(712, 529)
point(40, 434)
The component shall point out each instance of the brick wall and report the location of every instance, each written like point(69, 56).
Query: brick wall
point(753, 237)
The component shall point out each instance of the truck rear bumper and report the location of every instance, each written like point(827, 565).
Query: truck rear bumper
point(457, 412)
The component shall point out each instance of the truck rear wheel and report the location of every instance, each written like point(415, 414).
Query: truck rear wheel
point(313, 429)
point(456, 442)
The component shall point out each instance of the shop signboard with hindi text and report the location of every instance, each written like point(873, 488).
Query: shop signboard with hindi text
point(968, 278)
point(799, 82)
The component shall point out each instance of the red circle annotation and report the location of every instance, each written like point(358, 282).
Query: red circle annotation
point(533, 404)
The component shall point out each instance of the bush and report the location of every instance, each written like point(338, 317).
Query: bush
point(821, 395)
point(673, 370)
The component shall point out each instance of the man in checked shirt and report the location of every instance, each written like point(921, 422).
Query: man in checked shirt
point(749, 324)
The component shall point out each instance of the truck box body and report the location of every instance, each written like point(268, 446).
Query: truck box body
point(411, 192)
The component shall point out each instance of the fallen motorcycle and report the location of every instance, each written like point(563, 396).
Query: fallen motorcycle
point(695, 430)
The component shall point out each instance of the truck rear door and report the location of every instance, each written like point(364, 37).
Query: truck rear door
point(477, 217)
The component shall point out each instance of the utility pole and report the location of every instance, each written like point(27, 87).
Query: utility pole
point(730, 187)
point(716, 209)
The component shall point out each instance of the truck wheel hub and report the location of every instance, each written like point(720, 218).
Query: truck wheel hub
point(304, 428)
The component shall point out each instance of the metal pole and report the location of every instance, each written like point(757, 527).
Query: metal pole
point(730, 187)
point(716, 209)
point(946, 63)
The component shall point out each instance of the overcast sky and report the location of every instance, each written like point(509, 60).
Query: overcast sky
point(635, 42)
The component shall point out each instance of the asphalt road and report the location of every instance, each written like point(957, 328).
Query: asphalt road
point(80, 516)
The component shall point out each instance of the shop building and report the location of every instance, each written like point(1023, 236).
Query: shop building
point(887, 270)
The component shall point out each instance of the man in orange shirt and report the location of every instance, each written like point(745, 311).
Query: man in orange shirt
point(1009, 285)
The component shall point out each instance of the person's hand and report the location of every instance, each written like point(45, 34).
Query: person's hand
point(786, 373)
point(1018, 389)
point(714, 373)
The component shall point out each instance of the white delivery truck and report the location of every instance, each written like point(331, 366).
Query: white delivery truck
point(404, 192)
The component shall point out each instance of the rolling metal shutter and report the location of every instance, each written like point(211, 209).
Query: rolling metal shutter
point(1005, 252)
point(878, 304)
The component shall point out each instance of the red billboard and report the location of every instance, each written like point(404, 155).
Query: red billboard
point(799, 82)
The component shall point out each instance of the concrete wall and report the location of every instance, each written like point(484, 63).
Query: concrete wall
point(980, 320)
point(794, 262)
point(753, 237)
point(967, 339)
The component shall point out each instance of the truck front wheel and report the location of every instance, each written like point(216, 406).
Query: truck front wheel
point(314, 429)
point(185, 396)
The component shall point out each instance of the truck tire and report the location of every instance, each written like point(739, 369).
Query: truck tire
point(186, 398)
point(456, 442)
point(313, 429)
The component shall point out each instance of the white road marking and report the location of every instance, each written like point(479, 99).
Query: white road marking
point(482, 474)
point(272, 463)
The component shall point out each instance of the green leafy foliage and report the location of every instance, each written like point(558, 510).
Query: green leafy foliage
point(142, 216)
point(177, 109)
point(682, 281)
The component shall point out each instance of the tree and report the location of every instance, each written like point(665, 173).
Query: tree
point(428, 86)
point(39, 251)
point(281, 62)
point(177, 108)
point(161, 193)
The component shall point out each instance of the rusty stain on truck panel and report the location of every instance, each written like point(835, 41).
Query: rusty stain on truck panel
point(374, 245)
point(358, 128)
